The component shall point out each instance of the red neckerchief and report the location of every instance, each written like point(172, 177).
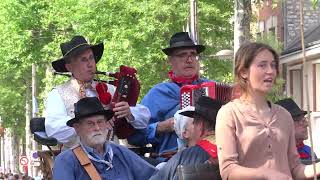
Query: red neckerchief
point(210, 148)
point(182, 80)
point(302, 155)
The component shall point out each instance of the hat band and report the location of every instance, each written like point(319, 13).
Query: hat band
point(182, 43)
point(75, 48)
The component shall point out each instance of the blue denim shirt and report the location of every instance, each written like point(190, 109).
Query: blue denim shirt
point(126, 165)
point(163, 101)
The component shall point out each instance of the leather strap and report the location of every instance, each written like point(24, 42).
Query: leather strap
point(86, 163)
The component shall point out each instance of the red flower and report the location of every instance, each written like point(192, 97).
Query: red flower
point(104, 95)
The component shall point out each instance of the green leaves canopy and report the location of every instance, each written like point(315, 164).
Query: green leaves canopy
point(133, 31)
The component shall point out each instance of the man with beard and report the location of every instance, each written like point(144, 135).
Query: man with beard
point(300, 127)
point(80, 59)
point(163, 100)
point(95, 157)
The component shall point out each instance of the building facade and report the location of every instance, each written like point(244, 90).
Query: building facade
point(301, 83)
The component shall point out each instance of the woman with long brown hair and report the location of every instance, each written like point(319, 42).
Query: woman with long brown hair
point(255, 137)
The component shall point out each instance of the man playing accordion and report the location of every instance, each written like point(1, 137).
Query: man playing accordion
point(80, 58)
point(163, 100)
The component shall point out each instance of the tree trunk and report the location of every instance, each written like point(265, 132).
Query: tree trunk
point(242, 16)
point(12, 151)
point(27, 128)
point(194, 21)
point(15, 151)
point(3, 153)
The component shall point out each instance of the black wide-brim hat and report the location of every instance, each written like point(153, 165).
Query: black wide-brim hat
point(291, 107)
point(87, 107)
point(74, 47)
point(206, 107)
point(182, 40)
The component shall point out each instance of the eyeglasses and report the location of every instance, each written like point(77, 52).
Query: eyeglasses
point(186, 56)
point(92, 124)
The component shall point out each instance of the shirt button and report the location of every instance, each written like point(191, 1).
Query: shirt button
point(269, 146)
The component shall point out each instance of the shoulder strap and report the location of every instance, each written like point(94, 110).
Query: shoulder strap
point(86, 163)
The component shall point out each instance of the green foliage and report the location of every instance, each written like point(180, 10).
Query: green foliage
point(314, 3)
point(219, 70)
point(21, 37)
point(272, 41)
point(133, 32)
point(277, 92)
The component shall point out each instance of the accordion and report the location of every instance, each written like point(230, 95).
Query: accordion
point(189, 94)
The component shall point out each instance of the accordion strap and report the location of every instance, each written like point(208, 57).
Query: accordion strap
point(86, 163)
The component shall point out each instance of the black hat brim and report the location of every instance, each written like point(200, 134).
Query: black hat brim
point(297, 114)
point(168, 51)
point(188, 113)
point(107, 113)
point(59, 65)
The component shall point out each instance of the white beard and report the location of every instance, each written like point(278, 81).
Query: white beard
point(96, 138)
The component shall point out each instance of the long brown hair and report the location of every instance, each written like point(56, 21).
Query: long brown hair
point(244, 58)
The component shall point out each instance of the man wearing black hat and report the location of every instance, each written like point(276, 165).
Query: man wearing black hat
point(300, 126)
point(95, 157)
point(80, 58)
point(163, 99)
point(205, 150)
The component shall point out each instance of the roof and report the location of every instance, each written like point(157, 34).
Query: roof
point(311, 37)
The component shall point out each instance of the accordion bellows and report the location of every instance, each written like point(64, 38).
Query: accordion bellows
point(189, 94)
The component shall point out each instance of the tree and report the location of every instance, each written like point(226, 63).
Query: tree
point(133, 31)
point(242, 14)
point(314, 2)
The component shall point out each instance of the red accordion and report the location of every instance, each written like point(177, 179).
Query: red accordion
point(189, 94)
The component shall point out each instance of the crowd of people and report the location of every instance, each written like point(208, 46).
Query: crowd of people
point(248, 137)
point(11, 176)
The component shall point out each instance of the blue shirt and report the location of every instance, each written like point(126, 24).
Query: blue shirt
point(304, 152)
point(163, 101)
point(190, 156)
point(126, 165)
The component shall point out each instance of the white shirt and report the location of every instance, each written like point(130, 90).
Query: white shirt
point(57, 117)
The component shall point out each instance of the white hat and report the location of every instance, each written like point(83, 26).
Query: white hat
point(180, 121)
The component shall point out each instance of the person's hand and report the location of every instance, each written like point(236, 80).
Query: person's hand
point(166, 126)
point(122, 109)
point(270, 174)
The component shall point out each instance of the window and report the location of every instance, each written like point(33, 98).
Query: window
point(296, 90)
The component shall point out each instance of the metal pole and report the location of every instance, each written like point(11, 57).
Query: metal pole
point(305, 72)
